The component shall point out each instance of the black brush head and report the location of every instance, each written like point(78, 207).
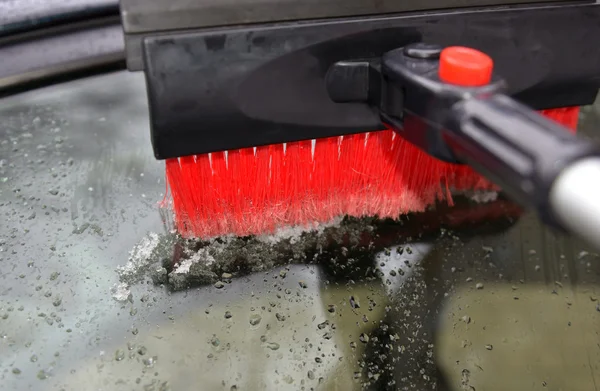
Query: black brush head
point(226, 88)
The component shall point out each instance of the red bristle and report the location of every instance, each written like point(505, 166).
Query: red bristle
point(276, 203)
point(297, 170)
point(204, 193)
point(189, 175)
point(219, 184)
point(256, 190)
point(179, 192)
point(323, 177)
point(261, 187)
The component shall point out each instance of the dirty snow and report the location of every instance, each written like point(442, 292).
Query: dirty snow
point(200, 255)
point(293, 233)
point(484, 196)
point(139, 256)
point(120, 292)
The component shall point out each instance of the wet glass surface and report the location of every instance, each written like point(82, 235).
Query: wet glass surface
point(472, 297)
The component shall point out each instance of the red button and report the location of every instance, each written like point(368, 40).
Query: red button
point(465, 67)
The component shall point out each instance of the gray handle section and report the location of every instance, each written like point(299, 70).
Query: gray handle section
point(575, 199)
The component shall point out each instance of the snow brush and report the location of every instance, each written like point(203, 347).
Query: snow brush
point(268, 121)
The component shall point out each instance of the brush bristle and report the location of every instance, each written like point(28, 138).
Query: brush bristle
point(257, 190)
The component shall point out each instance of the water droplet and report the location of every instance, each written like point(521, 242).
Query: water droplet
point(331, 308)
point(57, 301)
point(272, 345)
point(150, 361)
point(280, 317)
point(142, 350)
point(311, 375)
point(303, 284)
point(33, 358)
point(318, 360)
point(489, 347)
point(42, 375)
point(255, 319)
point(228, 314)
point(53, 192)
point(215, 341)
point(119, 355)
point(16, 371)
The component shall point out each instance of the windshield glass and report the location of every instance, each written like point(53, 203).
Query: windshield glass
point(97, 292)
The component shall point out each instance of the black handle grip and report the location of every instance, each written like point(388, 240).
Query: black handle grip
point(519, 149)
point(511, 144)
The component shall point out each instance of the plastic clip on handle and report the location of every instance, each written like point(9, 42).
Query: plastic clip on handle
point(538, 162)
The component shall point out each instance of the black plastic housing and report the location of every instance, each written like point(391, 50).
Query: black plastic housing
point(229, 88)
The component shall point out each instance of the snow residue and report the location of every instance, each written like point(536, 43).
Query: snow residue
point(484, 196)
point(139, 256)
point(293, 233)
point(201, 255)
point(120, 292)
point(184, 267)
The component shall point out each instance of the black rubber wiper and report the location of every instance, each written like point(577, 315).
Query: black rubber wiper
point(19, 16)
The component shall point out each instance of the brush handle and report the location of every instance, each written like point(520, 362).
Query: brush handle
point(450, 104)
point(538, 162)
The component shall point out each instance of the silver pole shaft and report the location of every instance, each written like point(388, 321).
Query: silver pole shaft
point(575, 200)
